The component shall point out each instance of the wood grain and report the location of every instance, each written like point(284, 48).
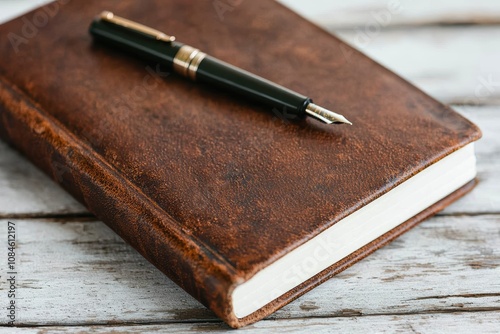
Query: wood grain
point(485, 198)
point(484, 322)
point(456, 65)
point(360, 13)
point(26, 191)
point(447, 264)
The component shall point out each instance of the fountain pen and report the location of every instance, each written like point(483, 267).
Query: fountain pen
point(155, 46)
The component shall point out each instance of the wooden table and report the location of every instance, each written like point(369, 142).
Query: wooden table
point(76, 275)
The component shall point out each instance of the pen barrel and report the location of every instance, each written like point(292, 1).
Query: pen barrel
point(288, 103)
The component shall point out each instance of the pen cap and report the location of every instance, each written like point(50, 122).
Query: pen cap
point(141, 44)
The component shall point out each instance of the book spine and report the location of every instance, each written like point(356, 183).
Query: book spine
point(116, 201)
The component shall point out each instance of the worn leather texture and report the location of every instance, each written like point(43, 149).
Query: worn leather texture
point(208, 187)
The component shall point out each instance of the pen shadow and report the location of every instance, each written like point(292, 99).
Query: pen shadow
point(255, 114)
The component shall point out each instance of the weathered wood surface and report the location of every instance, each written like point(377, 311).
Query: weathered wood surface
point(76, 275)
point(85, 274)
point(355, 13)
point(396, 13)
point(485, 198)
point(484, 323)
point(26, 191)
point(456, 65)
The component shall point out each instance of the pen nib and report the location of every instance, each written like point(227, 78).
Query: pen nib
point(325, 115)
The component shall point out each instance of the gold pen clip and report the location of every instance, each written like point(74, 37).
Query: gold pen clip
point(156, 34)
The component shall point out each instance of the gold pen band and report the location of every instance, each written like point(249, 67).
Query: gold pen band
point(187, 60)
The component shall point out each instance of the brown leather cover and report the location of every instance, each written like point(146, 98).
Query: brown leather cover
point(208, 187)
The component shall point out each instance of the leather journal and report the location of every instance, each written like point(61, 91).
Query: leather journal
point(242, 207)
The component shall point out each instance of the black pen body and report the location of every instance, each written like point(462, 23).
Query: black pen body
point(217, 73)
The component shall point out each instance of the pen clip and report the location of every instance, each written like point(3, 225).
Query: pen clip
point(158, 35)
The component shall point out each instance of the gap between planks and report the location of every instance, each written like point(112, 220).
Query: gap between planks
point(113, 323)
point(385, 323)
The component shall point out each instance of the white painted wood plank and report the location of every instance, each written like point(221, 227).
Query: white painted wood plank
point(488, 119)
point(456, 65)
point(446, 263)
point(79, 273)
point(466, 323)
point(25, 190)
point(337, 13)
point(354, 13)
point(361, 13)
point(486, 196)
point(84, 273)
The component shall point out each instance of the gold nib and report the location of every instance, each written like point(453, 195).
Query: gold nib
point(325, 115)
